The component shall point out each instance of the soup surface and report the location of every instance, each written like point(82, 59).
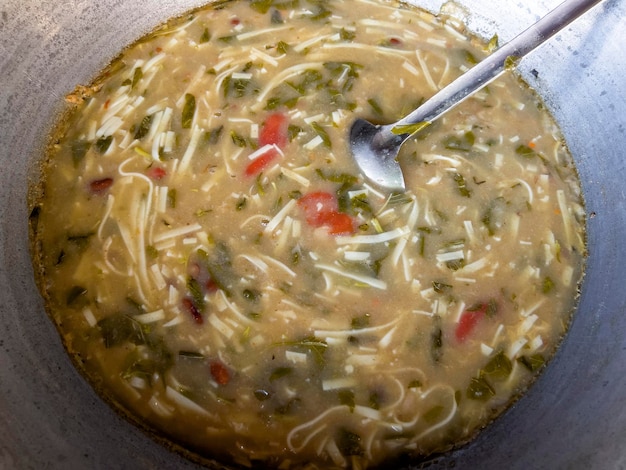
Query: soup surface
point(220, 270)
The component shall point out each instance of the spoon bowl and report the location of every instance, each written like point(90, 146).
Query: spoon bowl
point(375, 148)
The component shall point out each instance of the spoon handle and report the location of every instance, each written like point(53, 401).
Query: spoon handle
point(490, 68)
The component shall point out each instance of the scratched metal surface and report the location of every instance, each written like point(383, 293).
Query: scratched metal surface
point(573, 417)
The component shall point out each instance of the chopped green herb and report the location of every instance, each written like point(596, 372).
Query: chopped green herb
point(74, 294)
point(532, 363)
point(547, 285)
point(525, 151)
point(436, 339)
point(469, 57)
point(206, 36)
point(346, 35)
point(171, 198)
point(462, 143)
point(360, 322)
point(119, 328)
point(189, 111)
point(322, 133)
point(461, 185)
point(493, 43)
point(194, 288)
point(79, 150)
point(510, 62)
point(499, 367)
point(441, 287)
point(410, 129)
point(103, 143)
point(479, 389)
point(143, 128)
point(152, 252)
point(212, 136)
point(137, 75)
point(282, 47)
point(375, 107)
point(241, 203)
point(238, 140)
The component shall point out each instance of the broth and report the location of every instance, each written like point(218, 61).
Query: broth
point(218, 268)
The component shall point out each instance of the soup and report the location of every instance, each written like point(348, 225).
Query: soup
point(220, 271)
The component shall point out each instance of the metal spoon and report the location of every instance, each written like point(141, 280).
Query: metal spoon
point(375, 147)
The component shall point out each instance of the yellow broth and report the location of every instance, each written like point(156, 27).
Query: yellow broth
point(219, 268)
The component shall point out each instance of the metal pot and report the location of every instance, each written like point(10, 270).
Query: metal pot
point(573, 417)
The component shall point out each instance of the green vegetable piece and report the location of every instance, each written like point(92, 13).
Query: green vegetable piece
point(441, 287)
point(547, 285)
point(239, 87)
point(143, 128)
point(499, 367)
point(74, 294)
point(189, 111)
point(103, 144)
point(346, 397)
point(525, 151)
point(462, 143)
point(320, 13)
point(137, 75)
point(120, 328)
point(375, 107)
point(282, 47)
point(317, 347)
point(469, 57)
point(241, 203)
point(195, 290)
point(212, 136)
point(322, 133)
point(361, 322)
point(276, 17)
point(511, 62)
point(493, 43)
point(238, 140)
point(461, 185)
point(280, 372)
point(227, 39)
point(479, 389)
point(79, 150)
point(206, 36)
point(220, 268)
point(152, 252)
point(494, 215)
point(532, 363)
point(171, 198)
point(436, 340)
point(349, 443)
point(346, 35)
point(261, 6)
point(410, 129)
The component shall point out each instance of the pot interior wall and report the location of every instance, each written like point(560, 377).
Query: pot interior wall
point(572, 417)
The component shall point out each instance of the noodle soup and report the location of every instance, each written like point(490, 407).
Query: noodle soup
point(220, 270)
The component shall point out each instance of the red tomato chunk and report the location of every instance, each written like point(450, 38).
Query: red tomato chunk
point(322, 210)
